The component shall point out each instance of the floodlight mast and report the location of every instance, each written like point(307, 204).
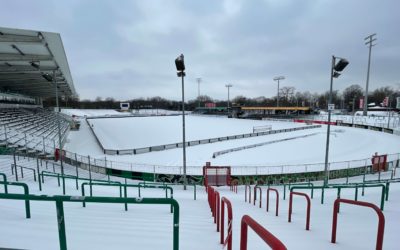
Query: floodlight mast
point(180, 67)
point(370, 39)
point(278, 78)
point(228, 86)
point(335, 69)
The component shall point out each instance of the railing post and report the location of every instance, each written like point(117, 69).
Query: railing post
point(61, 225)
point(308, 207)
point(228, 239)
point(381, 219)
point(277, 200)
point(38, 173)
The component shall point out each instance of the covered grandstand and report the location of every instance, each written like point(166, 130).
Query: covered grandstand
point(33, 67)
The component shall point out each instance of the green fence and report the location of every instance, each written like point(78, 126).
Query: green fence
point(59, 200)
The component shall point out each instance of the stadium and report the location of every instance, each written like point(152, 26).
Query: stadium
point(101, 179)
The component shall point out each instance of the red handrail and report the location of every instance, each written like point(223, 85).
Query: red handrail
point(265, 235)
point(381, 219)
point(245, 193)
point(228, 240)
point(308, 207)
point(217, 204)
point(255, 195)
point(277, 200)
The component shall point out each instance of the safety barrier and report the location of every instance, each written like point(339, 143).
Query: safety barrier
point(26, 192)
point(265, 235)
point(59, 200)
point(381, 219)
point(5, 182)
point(277, 200)
point(341, 186)
point(124, 186)
point(22, 171)
point(170, 184)
point(255, 195)
point(228, 239)
point(214, 202)
point(245, 193)
point(308, 207)
point(308, 184)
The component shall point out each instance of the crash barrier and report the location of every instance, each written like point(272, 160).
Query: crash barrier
point(245, 193)
point(381, 219)
point(73, 177)
point(170, 184)
point(59, 200)
point(383, 181)
point(264, 234)
point(277, 200)
point(339, 187)
point(228, 240)
point(255, 195)
point(308, 207)
point(14, 167)
point(125, 187)
point(307, 184)
point(5, 182)
point(26, 192)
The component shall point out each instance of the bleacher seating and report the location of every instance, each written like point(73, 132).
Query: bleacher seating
point(33, 131)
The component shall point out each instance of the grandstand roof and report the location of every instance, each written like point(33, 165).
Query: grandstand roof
point(28, 60)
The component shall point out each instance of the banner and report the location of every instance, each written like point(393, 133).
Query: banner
point(398, 103)
point(361, 105)
point(385, 102)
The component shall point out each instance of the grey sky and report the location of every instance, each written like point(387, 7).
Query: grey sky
point(126, 49)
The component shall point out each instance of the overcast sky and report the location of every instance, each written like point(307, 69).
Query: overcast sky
point(126, 49)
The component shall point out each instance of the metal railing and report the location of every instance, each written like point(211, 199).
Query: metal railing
point(381, 219)
point(59, 200)
point(265, 235)
point(308, 207)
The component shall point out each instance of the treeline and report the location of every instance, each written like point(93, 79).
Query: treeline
point(348, 99)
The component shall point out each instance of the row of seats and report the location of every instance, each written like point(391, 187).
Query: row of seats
point(31, 130)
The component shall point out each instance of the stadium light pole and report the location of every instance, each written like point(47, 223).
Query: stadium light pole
point(370, 39)
point(180, 67)
point(198, 90)
point(335, 69)
point(60, 152)
point(228, 86)
point(278, 78)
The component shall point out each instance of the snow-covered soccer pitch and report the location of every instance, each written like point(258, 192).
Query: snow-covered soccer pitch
point(304, 146)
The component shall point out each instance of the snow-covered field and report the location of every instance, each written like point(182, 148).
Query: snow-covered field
point(346, 143)
point(112, 112)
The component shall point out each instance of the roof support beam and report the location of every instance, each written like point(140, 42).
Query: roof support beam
point(24, 58)
point(8, 38)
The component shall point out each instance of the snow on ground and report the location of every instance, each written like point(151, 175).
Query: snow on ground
point(92, 112)
point(102, 226)
point(346, 143)
point(136, 132)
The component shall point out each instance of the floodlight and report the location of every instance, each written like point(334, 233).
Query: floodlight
point(180, 63)
point(341, 65)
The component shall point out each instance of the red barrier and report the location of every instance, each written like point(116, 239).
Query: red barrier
point(308, 207)
point(381, 219)
point(245, 193)
point(228, 240)
point(255, 195)
point(214, 202)
point(277, 200)
point(266, 236)
point(217, 204)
